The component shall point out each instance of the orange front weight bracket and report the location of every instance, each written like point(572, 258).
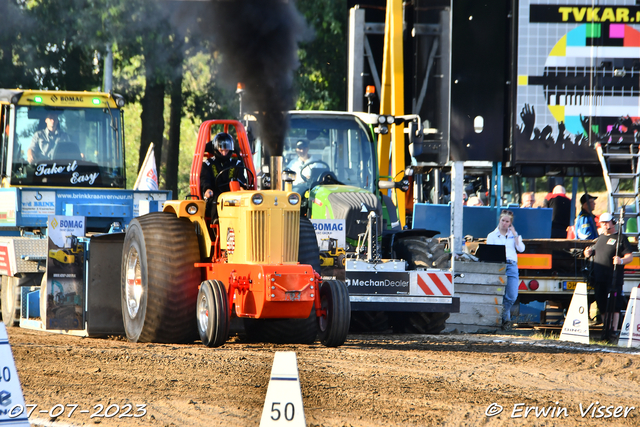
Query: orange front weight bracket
point(239, 283)
point(318, 281)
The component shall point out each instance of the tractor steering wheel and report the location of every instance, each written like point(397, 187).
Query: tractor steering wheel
point(309, 164)
point(220, 185)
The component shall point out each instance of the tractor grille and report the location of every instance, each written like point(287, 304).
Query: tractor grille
point(291, 228)
point(259, 236)
point(266, 248)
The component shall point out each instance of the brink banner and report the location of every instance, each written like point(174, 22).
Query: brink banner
point(62, 295)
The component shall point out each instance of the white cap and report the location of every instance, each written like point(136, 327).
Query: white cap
point(605, 217)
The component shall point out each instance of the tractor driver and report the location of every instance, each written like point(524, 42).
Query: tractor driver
point(44, 141)
point(218, 171)
point(304, 161)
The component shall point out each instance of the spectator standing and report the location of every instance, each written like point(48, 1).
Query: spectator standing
point(528, 199)
point(608, 251)
point(505, 234)
point(561, 215)
point(475, 201)
point(586, 228)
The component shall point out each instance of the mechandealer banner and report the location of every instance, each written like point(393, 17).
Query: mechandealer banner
point(64, 289)
point(578, 77)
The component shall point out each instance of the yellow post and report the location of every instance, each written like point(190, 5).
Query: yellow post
point(392, 100)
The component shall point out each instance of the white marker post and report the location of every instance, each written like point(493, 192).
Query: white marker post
point(13, 411)
point(283, 404)
point(630, 333)
point(576, 324)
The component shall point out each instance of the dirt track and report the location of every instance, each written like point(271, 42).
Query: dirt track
point(391, 380)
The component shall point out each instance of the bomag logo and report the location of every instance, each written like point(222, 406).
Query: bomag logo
point(54, 98)
point(71, 99)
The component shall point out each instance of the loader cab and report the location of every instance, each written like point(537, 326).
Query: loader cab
point(4, 143)
point(86, 149)
point(341, 147)
point(341, 151)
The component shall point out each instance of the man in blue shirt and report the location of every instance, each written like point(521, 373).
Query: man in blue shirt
point(585, 222)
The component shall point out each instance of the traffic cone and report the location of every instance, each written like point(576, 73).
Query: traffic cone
point(576, 324)
point(630, 333)
point(283, 404)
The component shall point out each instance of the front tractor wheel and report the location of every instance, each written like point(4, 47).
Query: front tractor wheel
point(159, 283)
point(333, 322)
point(213, 313)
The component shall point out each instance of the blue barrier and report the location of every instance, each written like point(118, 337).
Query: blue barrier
point(479, 221)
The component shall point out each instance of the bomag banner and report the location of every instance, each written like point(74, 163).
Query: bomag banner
point(578, 78)
point(63, 293)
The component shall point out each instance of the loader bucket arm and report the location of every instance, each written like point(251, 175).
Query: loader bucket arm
point(204, 135)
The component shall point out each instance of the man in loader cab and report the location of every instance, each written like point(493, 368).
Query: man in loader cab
point(219, 170)
point(44, 141)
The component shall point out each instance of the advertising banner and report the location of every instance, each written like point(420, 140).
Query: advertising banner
point(64, 289)
point(327, 229)
point(382, 283)
point(577, 78)
point(8, 207)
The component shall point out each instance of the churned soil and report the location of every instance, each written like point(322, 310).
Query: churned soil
point(372, 380)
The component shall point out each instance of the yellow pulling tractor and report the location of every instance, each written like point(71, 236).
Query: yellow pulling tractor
point(259, 260)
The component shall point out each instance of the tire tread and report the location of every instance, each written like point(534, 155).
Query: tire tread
point(172, 279)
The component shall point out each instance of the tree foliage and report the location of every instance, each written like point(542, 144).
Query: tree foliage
point(161, 52)
point(321, 78)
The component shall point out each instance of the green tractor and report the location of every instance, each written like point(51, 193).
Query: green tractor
point(397, 278)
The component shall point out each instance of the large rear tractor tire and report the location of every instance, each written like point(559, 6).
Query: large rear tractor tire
point(11, 296)
point(291, 331)
point(159, 283)
point(367, 322)
point(213, 313)
point(418, 323)
point(333, 324)
point(419, 253)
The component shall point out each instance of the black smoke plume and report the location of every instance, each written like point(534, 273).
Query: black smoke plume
point(259, 40)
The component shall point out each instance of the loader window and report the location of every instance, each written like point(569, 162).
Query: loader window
point(342, 143)
point(4, 139)
point(84, 150)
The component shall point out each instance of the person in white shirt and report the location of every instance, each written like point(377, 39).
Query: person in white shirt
point(304, 161)
point(505, 234)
